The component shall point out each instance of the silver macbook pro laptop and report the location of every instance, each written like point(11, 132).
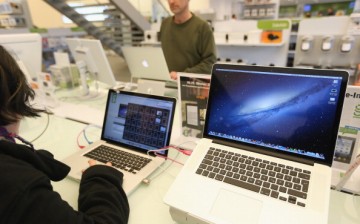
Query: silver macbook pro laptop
point(148, 63)
point(267, 148)
point(134, 123)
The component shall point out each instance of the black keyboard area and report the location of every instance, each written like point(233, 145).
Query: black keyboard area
point(272, 179)
point(122, 160)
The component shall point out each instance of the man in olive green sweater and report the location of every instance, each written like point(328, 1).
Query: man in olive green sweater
point(187, 41)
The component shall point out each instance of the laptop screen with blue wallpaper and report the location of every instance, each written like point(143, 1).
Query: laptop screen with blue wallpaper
point(287, 111)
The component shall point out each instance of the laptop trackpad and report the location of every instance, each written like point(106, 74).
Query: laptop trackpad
point(235, 208)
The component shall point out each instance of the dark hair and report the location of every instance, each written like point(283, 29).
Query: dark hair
point(15, 92)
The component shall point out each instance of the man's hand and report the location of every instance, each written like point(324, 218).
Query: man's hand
point(173, 75)
point(93, 162)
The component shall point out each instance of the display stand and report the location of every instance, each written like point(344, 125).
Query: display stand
point(336, 48)
point(345, 176)
point(261, 9)
point(193, 94)
point(257, 42)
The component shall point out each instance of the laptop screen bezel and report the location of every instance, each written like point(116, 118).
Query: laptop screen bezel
point(285, 70)
point(131, 147)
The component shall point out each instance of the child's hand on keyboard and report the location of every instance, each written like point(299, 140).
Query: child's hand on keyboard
point(93, 162)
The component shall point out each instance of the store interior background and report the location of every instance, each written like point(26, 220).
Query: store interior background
point(39, 16)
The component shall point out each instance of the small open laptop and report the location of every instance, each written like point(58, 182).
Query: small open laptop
point(134, 123)
point(148, 63)
point(267, 149)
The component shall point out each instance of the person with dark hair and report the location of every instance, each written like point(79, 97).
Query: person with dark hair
point(187, 41)
point(330, 11)
point(26, 192)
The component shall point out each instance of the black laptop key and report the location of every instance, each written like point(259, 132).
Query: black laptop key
point(274, 187)
point(243, 178)
point(304, 176)
point(297, 187)
point(282, 189)
point(289, 167)
point(242, 184)
point(207, 162)
point(287, 178)
point(205, 173)
point(258, 182)
point(297, 193)
point(305, 188)
point(202, 166)
point(266, 184)
point(236, 176)
point(269, 167)
point(219, 177)
point(292, 199)
point(301, 204)
point(229, 174)
point(274, 194)
point(251, 180)
point(209, 168)
point(265, 191)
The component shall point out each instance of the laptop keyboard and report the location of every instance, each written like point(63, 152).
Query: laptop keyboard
point(119, 159)
point(272, 179)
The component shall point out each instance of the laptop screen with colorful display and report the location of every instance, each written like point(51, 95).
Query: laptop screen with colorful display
point(297, 114)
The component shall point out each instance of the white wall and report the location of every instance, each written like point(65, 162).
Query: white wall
point(200, 4)
point(44, 16)
point(222, 8)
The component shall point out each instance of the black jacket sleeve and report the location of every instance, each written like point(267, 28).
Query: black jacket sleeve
point(27, 195)
point(102, 197)
point(101, 200)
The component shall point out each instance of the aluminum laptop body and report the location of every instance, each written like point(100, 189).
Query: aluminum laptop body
point(134, 123)
point(148, 63)
point(266, 119)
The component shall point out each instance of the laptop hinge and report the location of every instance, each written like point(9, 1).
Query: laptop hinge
point(265, 152)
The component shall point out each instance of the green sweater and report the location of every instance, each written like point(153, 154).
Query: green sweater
point(188, 47)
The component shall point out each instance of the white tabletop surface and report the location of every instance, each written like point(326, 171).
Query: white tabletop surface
point(146, 203)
